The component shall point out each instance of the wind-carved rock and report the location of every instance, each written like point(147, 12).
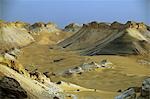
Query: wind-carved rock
point(87, 67)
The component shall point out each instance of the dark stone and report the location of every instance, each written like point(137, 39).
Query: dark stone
point(78, 90)
point(11, 89)
point(55, 97)
point(127, 94)
point(49, 74)
point(58, 82)
point(80, 73)
point(119, 90)
point(58, 60)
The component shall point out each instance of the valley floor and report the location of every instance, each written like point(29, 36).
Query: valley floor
point(126, 72)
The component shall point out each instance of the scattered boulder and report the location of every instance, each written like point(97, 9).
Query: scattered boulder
point(72, 87)
point(11, 89)
point(131, 93)
point(105, 63)
point(49, 74)
point(39, 77)
point(128, 94)
point(58, 60)
point(76, 70)
point(145, 91)
point(90, 66)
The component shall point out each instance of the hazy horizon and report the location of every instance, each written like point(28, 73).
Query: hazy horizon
point(63, 12)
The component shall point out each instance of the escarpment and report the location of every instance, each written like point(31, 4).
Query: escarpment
point(115, 38)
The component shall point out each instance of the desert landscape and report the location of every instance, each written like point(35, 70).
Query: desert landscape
point(95, 60)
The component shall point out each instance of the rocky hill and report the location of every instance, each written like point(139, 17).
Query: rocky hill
point(12, 36)
point(47, 33)
point(116, 38)
point(73, 28)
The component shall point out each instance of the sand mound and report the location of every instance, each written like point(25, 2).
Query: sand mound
point(13, 37)
point(116, 38)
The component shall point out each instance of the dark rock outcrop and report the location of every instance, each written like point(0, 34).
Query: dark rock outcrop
point(11, 89)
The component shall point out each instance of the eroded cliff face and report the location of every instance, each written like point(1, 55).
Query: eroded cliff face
point(13, 37)
point(104, 38)
point(34, 88)
point(11, 89)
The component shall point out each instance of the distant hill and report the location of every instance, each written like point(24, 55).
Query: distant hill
point(104, 38)
point(47, 33)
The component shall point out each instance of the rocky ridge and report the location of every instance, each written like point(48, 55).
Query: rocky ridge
point(103, 38)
